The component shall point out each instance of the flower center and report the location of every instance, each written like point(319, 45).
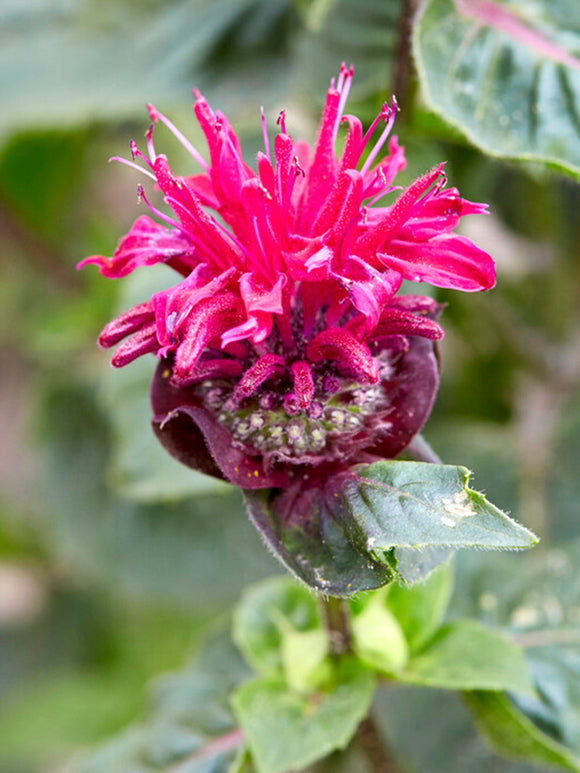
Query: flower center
point(268, 422)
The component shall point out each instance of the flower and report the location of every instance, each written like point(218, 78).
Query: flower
point(285, 346)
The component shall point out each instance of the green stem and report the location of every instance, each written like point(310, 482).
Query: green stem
point(336, 620)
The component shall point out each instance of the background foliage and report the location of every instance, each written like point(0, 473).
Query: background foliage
point(114, 561)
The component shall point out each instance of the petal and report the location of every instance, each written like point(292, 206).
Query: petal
point(146, 244)
point(445, 261)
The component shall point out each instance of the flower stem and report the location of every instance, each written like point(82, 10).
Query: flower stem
point(421, 451)
point(336, 621)
point(335, 616)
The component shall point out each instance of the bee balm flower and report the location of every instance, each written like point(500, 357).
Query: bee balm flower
point(285, 352)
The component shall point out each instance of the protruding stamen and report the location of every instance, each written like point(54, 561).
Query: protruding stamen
point(282, 121)
point(343, 85)
point(133, 165)
point(390, 119)
point(265, 132)
point(157, 116)
point(161, 215)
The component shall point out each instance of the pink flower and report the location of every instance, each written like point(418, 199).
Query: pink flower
point(284, 344)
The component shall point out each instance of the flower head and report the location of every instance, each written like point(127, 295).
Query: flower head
point(284, 344)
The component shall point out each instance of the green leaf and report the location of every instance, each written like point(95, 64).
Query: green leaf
point(161, 552)
point(364, 33)
point(288, 731)
point(189, 724)
point(305, 661)
point(506, 74)
point(417, 505)
point(64, 63)
point(465, 655)
point(512, 734)
point(265, 614)
point(378, 638)
point(420, 609)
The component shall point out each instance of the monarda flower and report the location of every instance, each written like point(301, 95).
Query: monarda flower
point(286, 355)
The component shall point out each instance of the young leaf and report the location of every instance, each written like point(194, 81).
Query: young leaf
point(465, 655)
point(288, 731)
point(420, 609)
point(506, 75)
point(304, 656)
point(417, 505)
point(267, 612)
point(378, 639)
point(512, 734)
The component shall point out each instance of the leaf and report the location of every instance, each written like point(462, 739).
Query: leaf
point(512, 734)
point(378, 638)
point(364, 33)
point(417, 505)
point(190, 723)
point(465, 655)
point(288, 731)
point(507, 75)
point(63, 63)
point(420, 609)
point(314, 546)
point(161, 552)
point(305, 659)
point(266, 612)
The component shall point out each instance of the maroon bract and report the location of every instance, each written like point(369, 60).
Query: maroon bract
point(284, 347)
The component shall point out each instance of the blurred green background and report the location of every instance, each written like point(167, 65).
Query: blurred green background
point(114, 560)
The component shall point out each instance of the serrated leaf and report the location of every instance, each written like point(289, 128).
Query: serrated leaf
point(465, 655)
point(420, 609)
point(507, 75)
point(265, 613)
point(512, 734)
point(288, 731)
point(417, 505)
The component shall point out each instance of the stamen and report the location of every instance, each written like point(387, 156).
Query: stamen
point(135, 153)
point(282, 121)
point(126, 162)
point(156, 115)
point(150, 145)
point(384, 193)
point(174, 223)
point(383, 138)
point(344, 84)
point(265, 132)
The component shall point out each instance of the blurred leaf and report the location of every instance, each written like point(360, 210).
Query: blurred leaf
point(265, 613)
point(378, 638)
point(196, 554)
point(416, 505)
point(465, 655)
point(447, 742)
point(63, 62)
point(420, 609)
point(305, 659)
point(511, 733)
point(286, 730)
point(190, 722)
point(506, 74)
point(364, 33)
